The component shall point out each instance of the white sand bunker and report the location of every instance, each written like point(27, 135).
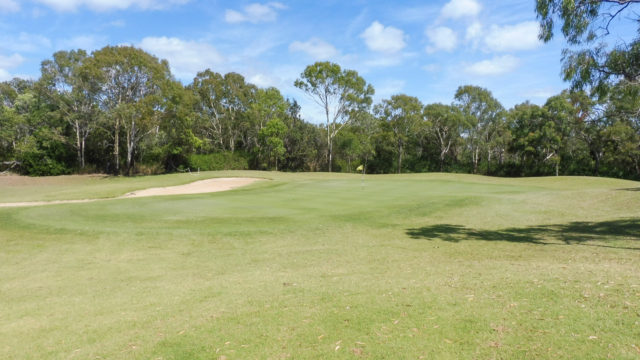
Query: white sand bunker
point(197, 187)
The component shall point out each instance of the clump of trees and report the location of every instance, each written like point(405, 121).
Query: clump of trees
point(119, 110)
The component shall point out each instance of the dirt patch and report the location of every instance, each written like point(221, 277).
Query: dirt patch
point(197, 187)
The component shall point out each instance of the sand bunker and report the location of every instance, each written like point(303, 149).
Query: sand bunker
point(197, 187)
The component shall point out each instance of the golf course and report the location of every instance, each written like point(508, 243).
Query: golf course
point(320, 266)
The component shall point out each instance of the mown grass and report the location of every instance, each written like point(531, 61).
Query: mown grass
point(323, 266)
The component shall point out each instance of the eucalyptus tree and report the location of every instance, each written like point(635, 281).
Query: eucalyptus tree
point(131, 94)
point(30, 132)
point(74, 93)
point(526, 120)
point(303, 143)
point(365, 126)
point(272, 138)
point(223, 102)
point(238, 96)
point(445, 122)
point(403, 114)
point(484, 115)
point(338, 92)
point(269, 104)
point(623, 130)
point(537, 138)
point(177, 126)
point(594, 60)
point(563, 115)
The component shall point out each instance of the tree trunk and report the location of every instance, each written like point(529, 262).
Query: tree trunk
point(330, 153)
point(131, 143)
point(476, 156)
point(82, 152)
point(78, 146)
point(116, 147)
point(399, 157)
point(596, 155)
point(329, 142)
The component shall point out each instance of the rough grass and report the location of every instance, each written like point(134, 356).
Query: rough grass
point(323, 266)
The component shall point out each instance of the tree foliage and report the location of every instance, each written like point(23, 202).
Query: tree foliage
point(338, 92)
point(120, 110)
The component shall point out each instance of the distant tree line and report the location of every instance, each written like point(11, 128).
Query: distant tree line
point(119, 110)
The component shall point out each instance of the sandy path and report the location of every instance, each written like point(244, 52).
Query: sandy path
point(197, 187)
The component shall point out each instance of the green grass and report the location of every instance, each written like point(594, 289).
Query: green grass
point(323, 266)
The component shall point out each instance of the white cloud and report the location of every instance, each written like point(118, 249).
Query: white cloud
point(384, 61)
point(474, 31)
point(108, 5)
point(389, 88)
point(118, 23)
point(9, 6)
point(4, 75)
point(384, 39)
point(84, 42)
point(186, 58)
point(456, 9)
point(262, 80)
point(441, 38)
point(522, 36)
point(542, 93)
point(9, 62)
point(496, 66)
point(431, 67)
point(254, 13)
point(24, 42)
point(315, 48)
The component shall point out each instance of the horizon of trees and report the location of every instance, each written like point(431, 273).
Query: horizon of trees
point(119, 110)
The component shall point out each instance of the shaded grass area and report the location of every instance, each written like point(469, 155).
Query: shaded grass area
point(603, 234)
point(310, 266)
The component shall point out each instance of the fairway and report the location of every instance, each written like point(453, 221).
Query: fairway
point(317, 266)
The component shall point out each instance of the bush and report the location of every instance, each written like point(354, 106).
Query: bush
point(37, 164)
point(219, 161)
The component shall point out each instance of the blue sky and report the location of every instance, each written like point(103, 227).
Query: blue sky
point(422, 48)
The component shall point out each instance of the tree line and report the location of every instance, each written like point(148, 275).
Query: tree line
point(120, 111)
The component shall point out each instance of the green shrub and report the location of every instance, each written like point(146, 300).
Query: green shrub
point(219, 161)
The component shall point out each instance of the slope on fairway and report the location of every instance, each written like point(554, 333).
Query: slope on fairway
point(327, 265)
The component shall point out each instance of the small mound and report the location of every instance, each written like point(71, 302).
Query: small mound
point(197, 187)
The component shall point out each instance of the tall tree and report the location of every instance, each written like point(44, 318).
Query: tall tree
point(269, 104)
point(223, 103)
point(445, 123)
point(600, 63)
point(403, 114)
point(74, 93)
point(483, 114)
point(131, 85)
point(272, 138)
point(338, 92)
point(564, 116)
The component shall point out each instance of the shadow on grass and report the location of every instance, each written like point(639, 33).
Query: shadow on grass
point(575, 233)
point(631, 189)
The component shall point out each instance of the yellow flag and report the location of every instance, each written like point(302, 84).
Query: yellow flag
point(360, 168)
